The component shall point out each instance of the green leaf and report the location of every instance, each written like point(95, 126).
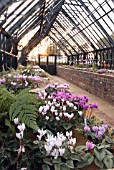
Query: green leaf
point(47, 161)
point(45, 167)
point(25, 109)
point(64, 167)
point(109, 140)
point(70, 164)
point(109, 153)
point(7, 123)
point(100, 153)
point(57, 166)
point(108, 162)
point(89, 158)
point(99, 163)
point(57, 161)
point(67, 126)
point(103, 146)
point(75, 157)
point(82, 164)
point(80, 148)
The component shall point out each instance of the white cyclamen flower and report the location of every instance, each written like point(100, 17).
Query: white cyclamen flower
point(71, 104)
point(19, 135)
point(40, 109)
point(55, 153)
point(54, 100)
point(58, 142)
point(70, 116)
point(71, 148)
point(61, 151)
point(60, 114)
point(26, 83)
point(72, 141)
point(69, 134)
point(52, 109)
point(42, 133)
point(61, 136)
point(21, 127)
point(48, 148)
point(65, 114)
point(80, 113)
point(75, 108)
point(57, 118)
point(64, 108)
point(57, 104)
point(16, 121)
point(21, 149)
point(47, 117)
point(56, 112)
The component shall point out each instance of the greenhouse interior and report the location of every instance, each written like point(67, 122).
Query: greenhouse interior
point(57, 84)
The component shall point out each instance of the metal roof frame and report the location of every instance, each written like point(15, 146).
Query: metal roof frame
point(87, 25)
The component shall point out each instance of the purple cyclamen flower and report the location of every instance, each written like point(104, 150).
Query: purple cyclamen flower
point(102, 129)
point(99, 134)
point(85, 107)
point(86, 128)
point(95, 105)
point(95, 128)
point(90, 145)
point(85, 98)
point(105, 126)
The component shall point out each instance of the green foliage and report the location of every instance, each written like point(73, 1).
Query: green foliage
point(6, 99)
point(8, 152)
point(86, 160)
point(25, 109)
point(103, 157)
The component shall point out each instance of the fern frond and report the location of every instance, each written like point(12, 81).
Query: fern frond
point(6, 99)
point(25, 109)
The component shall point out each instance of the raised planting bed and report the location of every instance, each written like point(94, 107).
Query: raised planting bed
point(101, 85)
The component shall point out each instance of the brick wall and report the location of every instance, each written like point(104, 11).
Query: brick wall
point(97, 84)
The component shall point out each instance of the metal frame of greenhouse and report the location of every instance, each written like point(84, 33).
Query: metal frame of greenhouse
point(80, 28)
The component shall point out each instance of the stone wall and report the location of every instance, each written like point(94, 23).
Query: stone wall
point(98, 84)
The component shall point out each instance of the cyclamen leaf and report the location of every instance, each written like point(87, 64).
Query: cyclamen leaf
point(57, 161)
point(64, 167)
point(45, 167)
point(70, 164)
point(67, 126)
point(89, 158)
point(108, 162)
point(109, 153)
point(82, 164)
point(57, 166)
point(100, 153)
point(75, 157)
point(99, 163)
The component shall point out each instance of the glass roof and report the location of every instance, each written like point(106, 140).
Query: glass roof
point(75, 26)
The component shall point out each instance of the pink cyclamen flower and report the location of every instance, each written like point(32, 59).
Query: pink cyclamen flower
point(86, 128)
point(105, 126)
point(94, 105)
point(95, 128)
point(99, 134)
point(90, 145)
point(85, 107)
